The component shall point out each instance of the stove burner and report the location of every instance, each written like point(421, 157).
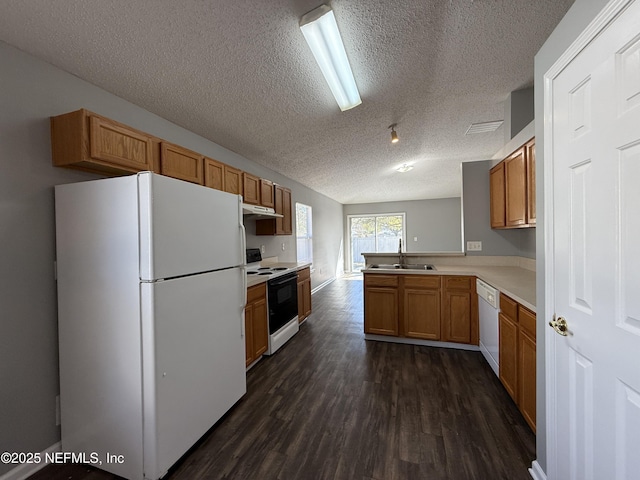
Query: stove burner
point(266, 273)
point(264, 268)
point(252, 273)
point(279, 268)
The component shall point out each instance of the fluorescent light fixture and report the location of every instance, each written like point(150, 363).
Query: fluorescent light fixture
point(320, 29)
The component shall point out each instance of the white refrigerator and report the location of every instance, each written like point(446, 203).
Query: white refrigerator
point(151, 296)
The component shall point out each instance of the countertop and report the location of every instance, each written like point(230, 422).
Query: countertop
point(516, 282)
point(253, 280)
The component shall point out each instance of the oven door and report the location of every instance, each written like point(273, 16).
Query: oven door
point(283, 300)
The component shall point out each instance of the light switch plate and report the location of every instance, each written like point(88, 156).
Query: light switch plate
point(474, 246)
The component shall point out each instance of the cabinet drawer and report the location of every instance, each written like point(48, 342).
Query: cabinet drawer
point(509, 307)
point(256, 292)
point(458, 283)
point(304, 274)
point(421, 281)
point(527, 320)
point(376, 280)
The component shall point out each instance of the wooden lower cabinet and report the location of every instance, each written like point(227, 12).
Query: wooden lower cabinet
point(527, 378)
point(460, 318)
point(421, 312)
point(255, 322)
point(421, 307)
point(517, 344)
point(508, 348)
point(381, 304)
point(304, 294)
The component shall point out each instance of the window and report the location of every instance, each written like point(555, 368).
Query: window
point(304, 233)
point(374, 234)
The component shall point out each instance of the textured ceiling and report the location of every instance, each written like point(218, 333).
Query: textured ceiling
point(239, 73)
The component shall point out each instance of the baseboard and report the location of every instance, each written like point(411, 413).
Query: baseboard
point(25, 470)
point(315, 290)
point(418, 341)
point(536, 471)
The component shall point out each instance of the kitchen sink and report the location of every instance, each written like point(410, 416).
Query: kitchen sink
point(405, 266)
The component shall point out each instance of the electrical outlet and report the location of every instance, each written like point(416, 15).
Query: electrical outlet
point(262, 249)
point(474, 246)
point(283, 247)
point(415, 239)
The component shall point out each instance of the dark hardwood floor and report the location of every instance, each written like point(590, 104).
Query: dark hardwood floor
point(330, 405)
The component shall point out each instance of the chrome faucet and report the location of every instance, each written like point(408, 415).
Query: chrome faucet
point(400, 255)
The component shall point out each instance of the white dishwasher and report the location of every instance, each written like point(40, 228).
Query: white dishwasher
point(488, 318)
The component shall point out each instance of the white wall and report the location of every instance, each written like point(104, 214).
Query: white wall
point(518, 242)
point(575, 21)
point(31, 92)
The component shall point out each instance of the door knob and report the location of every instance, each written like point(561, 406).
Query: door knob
point(560, 326)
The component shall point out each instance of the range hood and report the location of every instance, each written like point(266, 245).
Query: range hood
point(258, 211)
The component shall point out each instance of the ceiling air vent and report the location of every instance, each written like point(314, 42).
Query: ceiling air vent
point(484, 127)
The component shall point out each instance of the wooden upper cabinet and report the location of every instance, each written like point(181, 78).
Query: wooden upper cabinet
point(282, 225)
point(178, 162)
point(513, 189)
point(531, 181)
point(86, 141)
point(251, 188)
point(213, 174)
point(232, 180)
point(515, 175)
point(497, 203)
point(266, 193)
point(287, 221)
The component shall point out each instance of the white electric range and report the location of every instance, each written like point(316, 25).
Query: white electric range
point(282, 298)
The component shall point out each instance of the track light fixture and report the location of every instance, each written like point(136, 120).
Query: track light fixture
point(394, 134)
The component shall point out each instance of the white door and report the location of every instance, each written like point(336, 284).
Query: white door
point(187, 228)
point(194, 360)
point(593, 141)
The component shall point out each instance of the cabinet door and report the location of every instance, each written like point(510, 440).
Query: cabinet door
point(232, 180)
point(119, 145)
point(457, 316)
point(306, 295)
point(286, 211)
point(515, 174)
point(508, 341)
point(213, 174)
point(178, 162)
point(527, 378)
point(497, 202)
point(248, 335)
point(260, 329)
point(531, 182)
point(300, 300)
point(421, 312)
point(266, 193)
point(251, 188)
point(381, 311)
